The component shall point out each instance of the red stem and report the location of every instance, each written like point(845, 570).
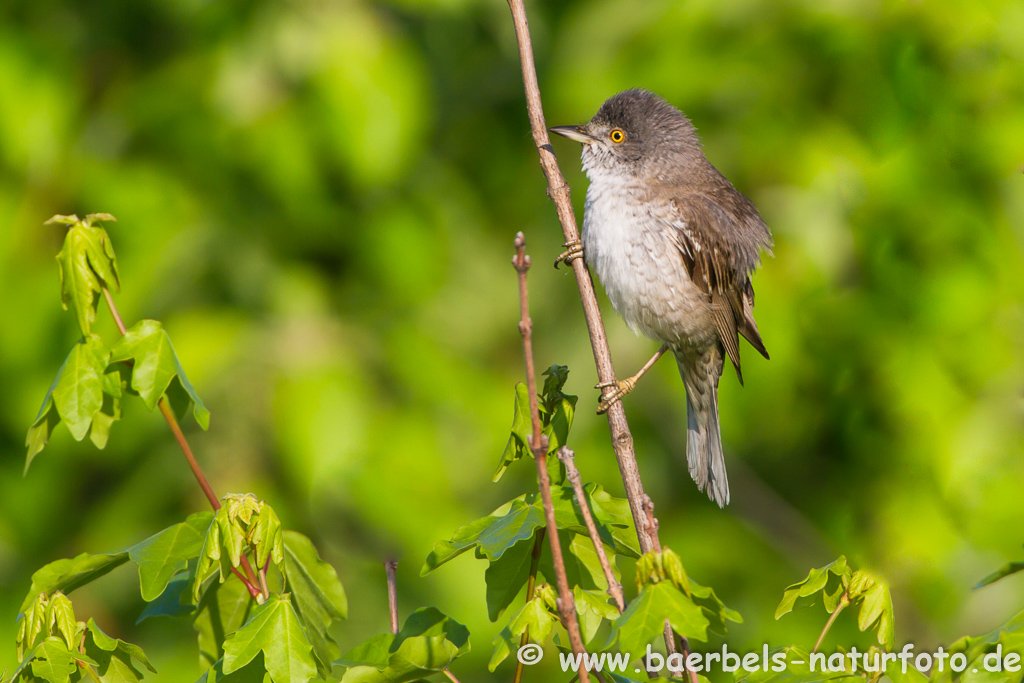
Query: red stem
point(249, 579)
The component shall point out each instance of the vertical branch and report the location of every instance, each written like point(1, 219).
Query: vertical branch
point(531, 583)
point(568, 458)
point(249, 579)
point(558, 190)
point(539, 446)
point(391, 567)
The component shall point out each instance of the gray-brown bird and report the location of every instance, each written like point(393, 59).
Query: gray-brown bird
point(674, 245)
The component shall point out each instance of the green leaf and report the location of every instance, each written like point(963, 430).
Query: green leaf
point(1004, 571)
point(612, 516)
point(518, 441)
point(253, 672)
point(173, 602)
point(507, 575)
point(79, 391)
point(830, 580)
point(46, 420)
point(536, 616)
point(103, 420)
point(164, 554)
point(644, 619)
point(492, 535)
point(222, 610)
point(68, 574)
point(273, 629)
point(428, 642)
point(116, 659)
point(87, 264)
point(793, 672)
point(317, 595)
point(375, 652)
point(155, 367)
point(593, 609)
point(556, 410)
point(713, 608)
point(53, 661)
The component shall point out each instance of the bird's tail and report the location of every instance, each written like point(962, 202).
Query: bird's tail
point(704, 455)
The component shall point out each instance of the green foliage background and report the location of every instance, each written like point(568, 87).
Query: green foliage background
point(318, 198)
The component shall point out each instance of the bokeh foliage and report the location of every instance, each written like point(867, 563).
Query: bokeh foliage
point(318, 197)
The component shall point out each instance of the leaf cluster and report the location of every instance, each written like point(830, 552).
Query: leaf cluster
point(427, 643)
point(837, 585)
point(53, 646)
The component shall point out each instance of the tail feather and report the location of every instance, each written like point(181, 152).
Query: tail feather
point(704, 456)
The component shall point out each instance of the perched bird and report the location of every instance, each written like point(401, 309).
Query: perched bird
point(674, 245)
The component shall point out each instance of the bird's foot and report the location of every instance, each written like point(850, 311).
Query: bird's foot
point(573, 251)
point(619, 388)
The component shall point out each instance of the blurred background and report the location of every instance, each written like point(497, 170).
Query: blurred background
point(319, 197)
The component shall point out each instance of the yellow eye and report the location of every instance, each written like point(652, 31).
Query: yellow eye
point(617, 135)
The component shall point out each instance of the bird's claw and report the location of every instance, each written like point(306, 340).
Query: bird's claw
point(573, 251)
point(619, 388)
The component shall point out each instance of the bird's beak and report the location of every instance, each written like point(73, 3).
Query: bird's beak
point(576, 133)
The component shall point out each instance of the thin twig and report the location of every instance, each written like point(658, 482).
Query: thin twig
point(263, 579)
point(249, 578)
point(539, 446)
point(450, 676)
point(558, 190)
point(568, 458)
point(843, 602)
point(531, 583)
point(391, 567)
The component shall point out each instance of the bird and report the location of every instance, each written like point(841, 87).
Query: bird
point(674, 245)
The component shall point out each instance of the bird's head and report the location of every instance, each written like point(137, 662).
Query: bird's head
point(633, 131)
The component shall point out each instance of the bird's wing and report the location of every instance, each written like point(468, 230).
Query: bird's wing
point(720, 239)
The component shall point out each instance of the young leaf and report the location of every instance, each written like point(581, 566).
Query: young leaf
point(831, 581)
point(162, 555)
point(243, 522)
point(537, 615)
point(274, 630)
point(115, 659)
point(644, 619)
point(223, 609)
point(317, 594)
point(428, 642)
point(556, 409)
point(45, 617)
point(53, 661)
point(87, 264)
point(156, 367)
point(875, 605)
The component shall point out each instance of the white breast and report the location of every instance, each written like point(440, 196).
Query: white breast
point(639, 266)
